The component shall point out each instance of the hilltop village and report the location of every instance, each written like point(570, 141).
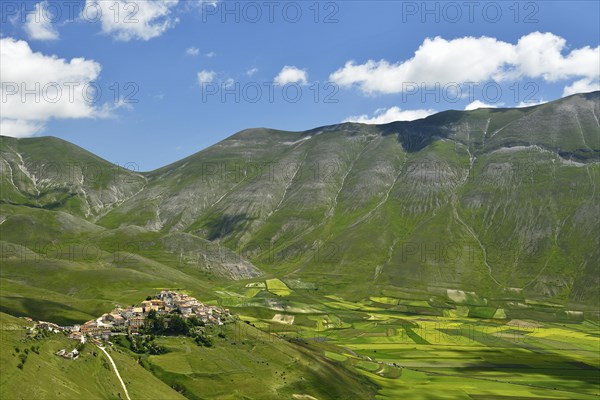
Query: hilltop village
point(132, 319)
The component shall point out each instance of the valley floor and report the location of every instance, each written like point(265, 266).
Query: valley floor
point(301, 346)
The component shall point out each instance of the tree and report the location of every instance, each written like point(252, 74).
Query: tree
point(194, 321)
point(204, 340)
point(178, 325)
point(154, 323)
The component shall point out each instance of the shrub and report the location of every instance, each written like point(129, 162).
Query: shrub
point(204, 340)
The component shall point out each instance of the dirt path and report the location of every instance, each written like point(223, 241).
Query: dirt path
point(116, 371)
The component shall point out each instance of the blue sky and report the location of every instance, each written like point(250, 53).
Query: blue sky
point(178, 76)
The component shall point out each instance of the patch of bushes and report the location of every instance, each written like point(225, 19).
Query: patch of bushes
point(172, 324)
point(203, 340)
point(140, 344)
point(23, 358)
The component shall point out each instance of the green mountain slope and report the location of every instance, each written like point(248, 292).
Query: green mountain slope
point(491, 201)
point(53, 174)
point(484, 200)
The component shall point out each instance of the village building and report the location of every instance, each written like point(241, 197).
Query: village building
point(132, 319)
point(117, 320)
point(73, 355)
point(91, 328)
point(77, 336)
point(48, 326)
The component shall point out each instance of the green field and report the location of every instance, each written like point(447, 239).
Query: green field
point(367, 346)
point(277, 287)
point(430, 357)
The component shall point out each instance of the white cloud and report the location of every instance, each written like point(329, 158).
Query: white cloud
point(251, 71)
point(229, 82)
point(192, 51)
point(126, 20)
point(474, 105)
point(200, 4)
point(210, 54)
point(19, 127)
point(540, 55)
point(291, 74)
point(205, 76)
point(470, 59)
point(38, 24)
point(383, 116)
point(59, 88)
point(582, 86)
point(530, 103)
point(118, 104)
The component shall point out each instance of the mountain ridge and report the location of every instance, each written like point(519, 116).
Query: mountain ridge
point(325, 128)
point(487, 201)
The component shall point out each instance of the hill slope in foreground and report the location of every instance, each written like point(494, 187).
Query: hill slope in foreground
point(360, 235)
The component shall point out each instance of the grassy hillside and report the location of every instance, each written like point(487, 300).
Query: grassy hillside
point(52, 174)
point(435, 198)
point(46, 376)
point(243, 363)
point(487, 201)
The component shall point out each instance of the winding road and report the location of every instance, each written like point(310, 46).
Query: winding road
point(116, 371)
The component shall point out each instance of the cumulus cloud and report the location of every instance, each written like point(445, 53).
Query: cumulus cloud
point(201, 5)
point(541, 55)
point(474, 105)
point(251, 71)
point(38, 24)
point(471, 59)
point(383, 116)
point(531, 103)
point(212, 3)
point(229, 82)
point(192, 51)
point(205, 76)
point(582, 86)
point(19, 128)
point(141, 20)
point(36, 88)
point(291, 74)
